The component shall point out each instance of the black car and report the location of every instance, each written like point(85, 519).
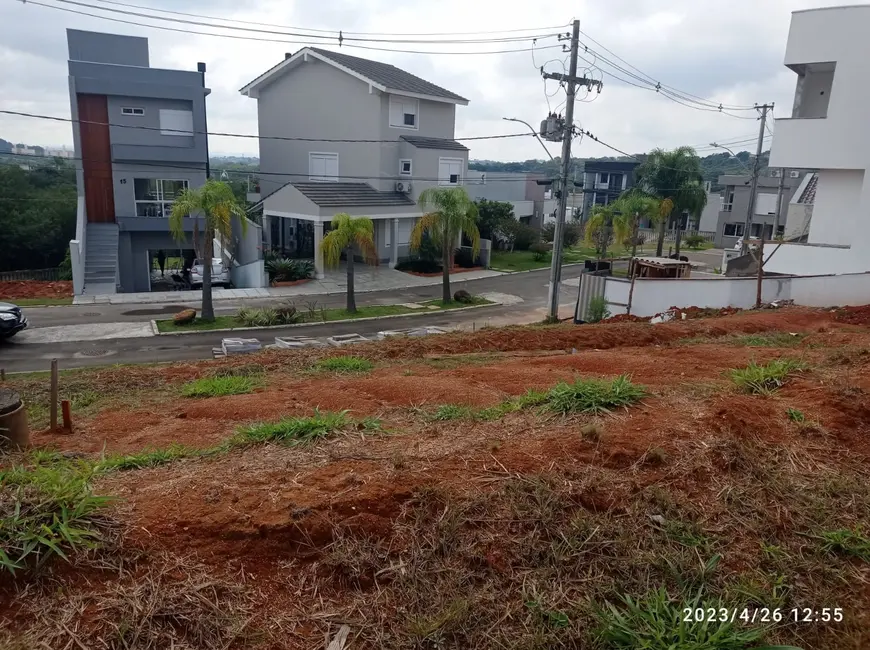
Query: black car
point(12, 320)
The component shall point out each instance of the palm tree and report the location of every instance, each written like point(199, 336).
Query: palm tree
point(599, 227)
point(632, 206)
point(217, 204)
point(349, 233)
point(449, 212)
point(674, 177)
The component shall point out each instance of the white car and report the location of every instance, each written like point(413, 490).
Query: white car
point(220, 275)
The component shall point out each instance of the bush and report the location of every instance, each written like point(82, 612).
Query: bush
point(695, 241)
point(571, 233)
point(65, 267)
point(540, 250)
point(283, 269)
point(524, 236)
point(462, 296)
point(267, 316)
point(287, 314)
point(598, 310)
point(630, 242)
point(464, 259)
point(419, 265)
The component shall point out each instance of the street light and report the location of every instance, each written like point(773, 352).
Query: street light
point(532, 129)
point(733, 155)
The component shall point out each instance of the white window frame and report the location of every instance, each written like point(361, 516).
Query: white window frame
point(402, 171)
point(403, 102)
point(316, 178)
point(163, 206)
point(443, 181)
point(135, 111)
point(167, 113)
point(738, 229)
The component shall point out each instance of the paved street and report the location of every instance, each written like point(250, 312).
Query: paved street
point(27, 354)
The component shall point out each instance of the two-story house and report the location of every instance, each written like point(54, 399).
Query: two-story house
point(521, 189)
point(828, 50)
point(603, 182)
point(139, 136)
point(339, 133)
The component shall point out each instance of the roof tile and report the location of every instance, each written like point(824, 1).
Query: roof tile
point(336, 195)
point(434, 143)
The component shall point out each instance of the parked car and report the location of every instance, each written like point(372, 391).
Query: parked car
point(12, 320)
point(220, 275)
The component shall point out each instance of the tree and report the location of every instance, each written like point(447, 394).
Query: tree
point(599, 228)
point(215, 202)
point(448, 212)
point(676, 179)
point(346, 235)
point(494, 218)
point(632, 206)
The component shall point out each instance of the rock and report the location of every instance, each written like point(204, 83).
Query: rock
point(462, 296)
point(184, 317)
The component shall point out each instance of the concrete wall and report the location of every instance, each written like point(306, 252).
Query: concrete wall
point(838, 195)
point(249, 276)
point(107, 48)
point(124, 174)
point(151, 120)
point(709, 221)
point(813, 259)
point(318, 100)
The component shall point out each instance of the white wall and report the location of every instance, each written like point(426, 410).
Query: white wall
point(837, 211)
point(249, 276)
point(805, 259)
point(652, 297)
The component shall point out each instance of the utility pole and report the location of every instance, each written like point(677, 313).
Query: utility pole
point(756, 168)
point(779, 193)
point(552, 128)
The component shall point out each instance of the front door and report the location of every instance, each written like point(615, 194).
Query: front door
point(96, 158)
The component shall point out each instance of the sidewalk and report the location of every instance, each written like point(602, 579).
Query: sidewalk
point(365, 280)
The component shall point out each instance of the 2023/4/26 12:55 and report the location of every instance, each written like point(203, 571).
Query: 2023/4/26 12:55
point(763, 614)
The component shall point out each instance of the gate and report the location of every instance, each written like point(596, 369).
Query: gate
point(591, 286)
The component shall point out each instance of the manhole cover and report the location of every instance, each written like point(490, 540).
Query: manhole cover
point(91, 314)
point(96, 352)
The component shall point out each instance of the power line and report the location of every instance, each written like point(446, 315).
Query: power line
point(274, 40)
point(242, 135)
point(339, 36)
point(330, 31)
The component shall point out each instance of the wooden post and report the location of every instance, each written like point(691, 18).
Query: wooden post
point(53, 405)
point(66, 411)
point(760, 269)
point(2, 374)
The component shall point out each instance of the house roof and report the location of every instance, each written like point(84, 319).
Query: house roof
point(336, 195)
point(383, 76)
point(434, 143)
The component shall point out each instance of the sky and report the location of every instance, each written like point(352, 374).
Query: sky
point(730, 53)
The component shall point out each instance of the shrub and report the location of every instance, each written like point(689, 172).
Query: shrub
point(763, 380)
point(630, 242)
point(597, 310)
point(540, 251)
point(548, 232)
point(219, 386)
point(287, 314)
point(283, 269)
point(64, 269)
point(593, 395)
point(47, 511)
point(464, 259)
point(463, 296)
point(184, 317)
point(571, 234)
point(419, 265)
point(524, 236)
point(344, 364)
point(695, 241)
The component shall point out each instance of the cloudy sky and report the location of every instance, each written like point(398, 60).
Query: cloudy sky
point(730, 53)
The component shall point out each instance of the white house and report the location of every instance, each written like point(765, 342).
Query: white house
point(828, 130)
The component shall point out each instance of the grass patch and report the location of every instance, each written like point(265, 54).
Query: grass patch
point(344, 364)
point(657, 621)
point(447, 412)
point(47, 510)
point(764, 379)
point(795, 415)
point(321, 316)
point(525, 260)
point(593, 395)
point(146, 458)
point(40, 302)
point(767, 339)
point(846, 542)
point(292, 430)
point(219, 386)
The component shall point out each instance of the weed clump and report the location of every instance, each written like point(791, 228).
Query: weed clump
point(593, 395)
point(219, 386)
point(764, 379)
point(292, 430)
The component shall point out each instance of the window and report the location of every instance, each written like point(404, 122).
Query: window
point(403, 112)
point(450, 171)
point(603, 178)
point(405, 167)
point(176, 122)
point(323, 167)
point(154, 197)
point(729, 199)
point(129, 110)
point(733, 230)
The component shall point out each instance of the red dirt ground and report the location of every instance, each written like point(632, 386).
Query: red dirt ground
point(35, 289)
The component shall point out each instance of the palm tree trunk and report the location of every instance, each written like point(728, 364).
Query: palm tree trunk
point(207, 304)
point(661, 240)
point(351, 299)
point(679, 233)
point(635, 226)
point(445, 271)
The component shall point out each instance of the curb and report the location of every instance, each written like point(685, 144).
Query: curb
point(543, 268)
point(331, 322)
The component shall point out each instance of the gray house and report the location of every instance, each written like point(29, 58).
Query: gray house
point(603, 182)
point(344, 134)
point(735, 201)
point(139, 136)
point(531, 202)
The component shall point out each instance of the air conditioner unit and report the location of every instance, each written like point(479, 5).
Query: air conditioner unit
point(403, 186)
point(775, 173)
point(794, 174)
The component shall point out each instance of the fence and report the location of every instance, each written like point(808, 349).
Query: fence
point(34, 274)
point(652, 235)
point(591, 286)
